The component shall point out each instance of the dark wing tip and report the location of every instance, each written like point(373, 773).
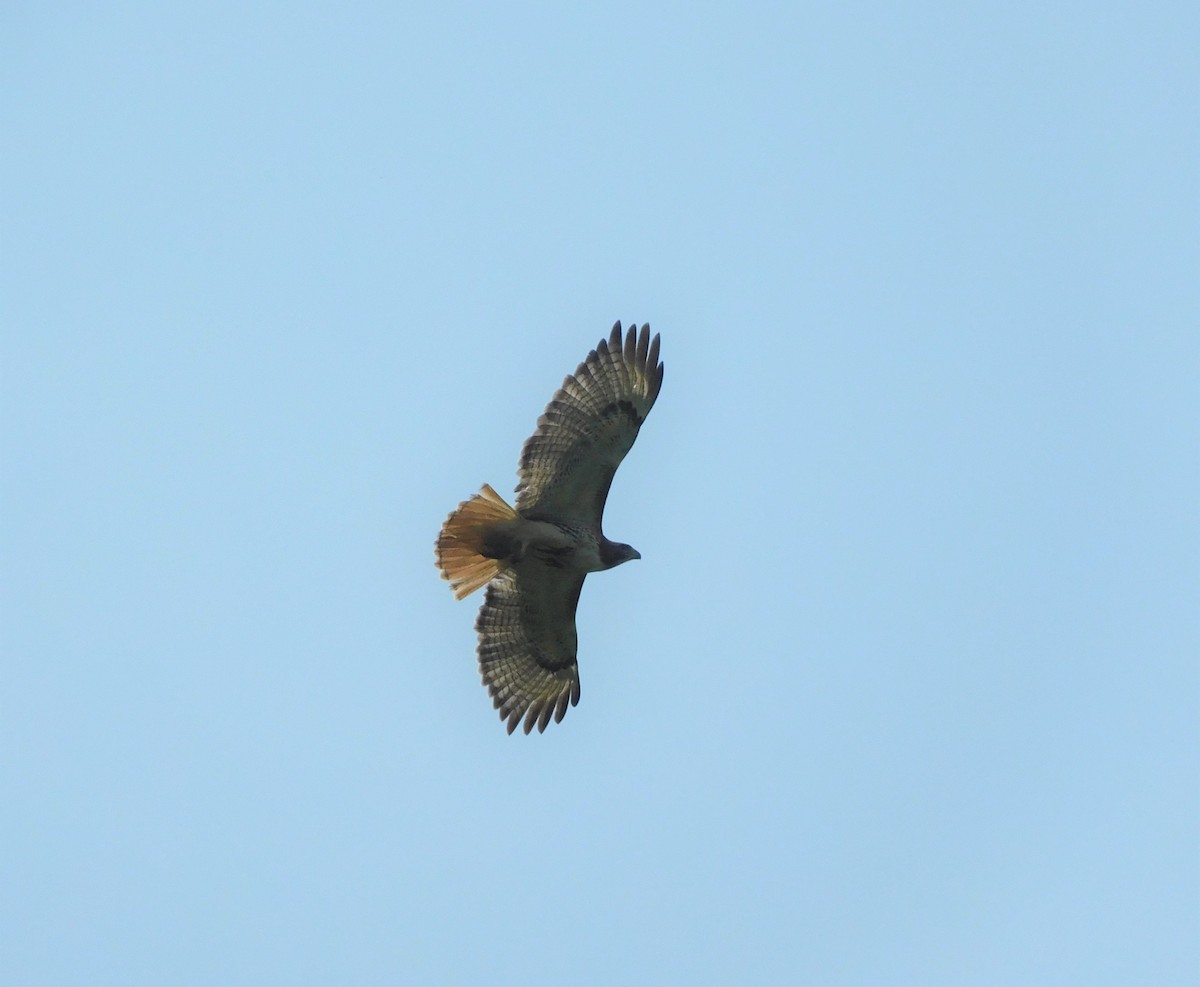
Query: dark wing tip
point(643, 344)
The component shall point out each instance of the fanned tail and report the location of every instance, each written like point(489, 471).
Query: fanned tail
point(460, 545)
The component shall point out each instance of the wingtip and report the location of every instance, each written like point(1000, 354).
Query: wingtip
point(614, 338)
point(630, 351)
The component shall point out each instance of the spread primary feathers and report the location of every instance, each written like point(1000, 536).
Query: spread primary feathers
point(533, 558)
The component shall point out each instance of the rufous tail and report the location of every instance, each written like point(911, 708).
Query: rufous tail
point(460, 545)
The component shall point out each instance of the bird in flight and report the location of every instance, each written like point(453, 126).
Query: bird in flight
point(533, 558)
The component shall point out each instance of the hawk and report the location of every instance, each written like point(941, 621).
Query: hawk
point(533, 558)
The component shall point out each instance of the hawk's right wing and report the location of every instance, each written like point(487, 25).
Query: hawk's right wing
point(568, 464)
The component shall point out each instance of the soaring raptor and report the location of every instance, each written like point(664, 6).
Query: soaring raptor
point(533, 559)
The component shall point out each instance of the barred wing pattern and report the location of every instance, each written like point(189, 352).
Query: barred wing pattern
point(527, 645)
point(567, 465)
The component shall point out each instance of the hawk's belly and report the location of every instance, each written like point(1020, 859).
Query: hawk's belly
point(561, 546)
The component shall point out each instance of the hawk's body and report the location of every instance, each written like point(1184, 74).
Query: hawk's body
point(534, 558)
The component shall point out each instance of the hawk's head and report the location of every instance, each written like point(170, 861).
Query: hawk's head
point(613, 553)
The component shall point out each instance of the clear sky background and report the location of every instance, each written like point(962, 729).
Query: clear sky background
point(905, 688)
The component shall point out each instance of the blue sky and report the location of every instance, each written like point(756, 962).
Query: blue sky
point(905, 687)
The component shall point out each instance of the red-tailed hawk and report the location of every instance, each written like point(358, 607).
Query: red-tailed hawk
point(534, 558)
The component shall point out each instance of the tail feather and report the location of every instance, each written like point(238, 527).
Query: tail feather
point(460, 544)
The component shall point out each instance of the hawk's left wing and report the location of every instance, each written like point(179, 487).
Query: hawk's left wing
point(527, 644)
